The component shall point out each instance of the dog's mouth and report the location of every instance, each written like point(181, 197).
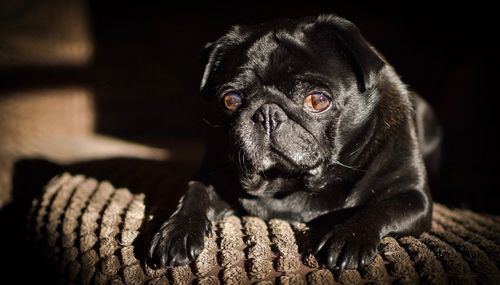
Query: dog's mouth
point(280, 179)
point(279, 172)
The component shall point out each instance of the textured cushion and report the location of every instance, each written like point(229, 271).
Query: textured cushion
point(87, 228)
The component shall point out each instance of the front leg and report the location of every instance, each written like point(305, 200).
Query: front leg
point(179, 239)
point(353, 243)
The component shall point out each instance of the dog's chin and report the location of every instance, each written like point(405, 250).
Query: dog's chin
point(271, 179)
point(270, 183)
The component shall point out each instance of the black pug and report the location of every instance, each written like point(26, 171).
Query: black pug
point(308, 123)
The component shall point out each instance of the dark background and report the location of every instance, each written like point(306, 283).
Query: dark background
point(146, 71)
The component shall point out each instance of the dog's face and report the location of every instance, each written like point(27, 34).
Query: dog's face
point(291, 95)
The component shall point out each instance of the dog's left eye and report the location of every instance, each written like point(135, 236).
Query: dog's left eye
point(232, 101)
point(317, 102)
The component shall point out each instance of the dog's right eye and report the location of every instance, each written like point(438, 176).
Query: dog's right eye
point(232, 101)
point(317, 102)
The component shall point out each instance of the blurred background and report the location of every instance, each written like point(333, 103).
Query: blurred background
point(91, 79)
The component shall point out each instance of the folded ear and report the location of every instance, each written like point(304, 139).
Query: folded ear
point(210, 56)
point(364, 60)
point(214, 54)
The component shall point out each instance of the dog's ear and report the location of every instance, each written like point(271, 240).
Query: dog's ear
point(366, 62)
point(214, 54)
point(209, 55)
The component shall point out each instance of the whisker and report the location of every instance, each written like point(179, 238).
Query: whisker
point(349, 167)
point(356, 150)
point(243, 159)
point(209, 123)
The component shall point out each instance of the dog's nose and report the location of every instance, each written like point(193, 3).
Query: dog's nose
point(271, 116)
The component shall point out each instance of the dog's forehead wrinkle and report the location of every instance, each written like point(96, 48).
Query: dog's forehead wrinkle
point(275, 92)
point(259, 51)
point(271, 57)
point(290, 40)
point(276, 52)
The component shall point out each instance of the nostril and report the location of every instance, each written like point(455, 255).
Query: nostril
point(279, 116)
point(258, 117)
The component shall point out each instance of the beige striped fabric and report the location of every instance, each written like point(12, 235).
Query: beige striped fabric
point(87, 229)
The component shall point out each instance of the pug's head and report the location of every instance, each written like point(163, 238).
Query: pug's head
point(290, 95)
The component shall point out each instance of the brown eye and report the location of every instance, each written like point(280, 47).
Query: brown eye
point(317, 102)
point(232, 101)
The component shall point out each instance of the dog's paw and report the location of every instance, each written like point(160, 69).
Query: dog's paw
point(348, 247)
point(179, 241)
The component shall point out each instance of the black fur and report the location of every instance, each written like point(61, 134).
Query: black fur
point(355, 171)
